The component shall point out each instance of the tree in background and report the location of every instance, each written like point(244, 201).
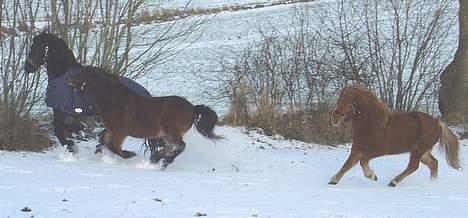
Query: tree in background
point(288, 78)
point(453, 97)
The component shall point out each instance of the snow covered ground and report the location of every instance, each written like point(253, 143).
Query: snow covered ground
point(245, 175)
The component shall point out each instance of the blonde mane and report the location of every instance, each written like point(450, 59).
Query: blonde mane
point(369, 106)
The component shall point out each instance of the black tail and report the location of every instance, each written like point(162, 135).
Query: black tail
point(205, 120)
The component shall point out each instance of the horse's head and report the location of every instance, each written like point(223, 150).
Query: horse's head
point(38, 53)
point(358, 102)
point(345, 107)
point(48, 48)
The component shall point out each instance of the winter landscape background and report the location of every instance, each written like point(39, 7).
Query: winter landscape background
point(247, 174)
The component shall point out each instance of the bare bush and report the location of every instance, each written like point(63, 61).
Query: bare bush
point(18, 92)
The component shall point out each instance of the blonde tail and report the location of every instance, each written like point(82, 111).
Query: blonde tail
point(450, 146)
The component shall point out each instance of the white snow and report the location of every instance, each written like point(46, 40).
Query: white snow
point(245, 175)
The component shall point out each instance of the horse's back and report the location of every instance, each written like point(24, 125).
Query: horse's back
point(413, 129)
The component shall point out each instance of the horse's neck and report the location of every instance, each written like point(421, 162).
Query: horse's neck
point(363, 118)
point(58, 64)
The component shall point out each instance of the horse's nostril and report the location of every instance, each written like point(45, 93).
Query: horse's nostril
point(338, 113)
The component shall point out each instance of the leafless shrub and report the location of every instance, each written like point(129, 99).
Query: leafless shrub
point(18, 92)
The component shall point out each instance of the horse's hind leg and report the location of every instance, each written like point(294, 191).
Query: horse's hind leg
point(157, 147)
point(429, 160)
point(352, 160)
point(413, 165)
point(172, 152)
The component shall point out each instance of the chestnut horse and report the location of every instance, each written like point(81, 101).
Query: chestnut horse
point(125, 113)
point(377, 131)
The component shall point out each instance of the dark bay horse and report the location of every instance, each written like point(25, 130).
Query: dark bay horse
point(125, 113)
point(48, 49)
point(377, 131)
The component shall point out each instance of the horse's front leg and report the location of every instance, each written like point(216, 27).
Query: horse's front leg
point(352, 160)
point(59, 131)
point(116, 145)
point(105, 138)
point(368, 172)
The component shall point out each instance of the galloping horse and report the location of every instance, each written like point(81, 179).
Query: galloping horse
point(47, 49)
point(377, 131)
point(125, 113)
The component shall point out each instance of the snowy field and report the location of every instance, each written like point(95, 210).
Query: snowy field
point(205, 3)
point(245, 175)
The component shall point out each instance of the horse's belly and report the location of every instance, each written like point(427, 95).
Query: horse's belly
point(142, 132)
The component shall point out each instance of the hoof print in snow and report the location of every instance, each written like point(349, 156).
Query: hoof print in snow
point(26, 209)
point(64, 200)
point(157, 200)
point(200, 214)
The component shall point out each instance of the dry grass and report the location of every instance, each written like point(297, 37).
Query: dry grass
point(21, 133)
point(304, 125)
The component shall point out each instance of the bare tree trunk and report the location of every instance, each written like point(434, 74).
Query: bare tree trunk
point(453, 96)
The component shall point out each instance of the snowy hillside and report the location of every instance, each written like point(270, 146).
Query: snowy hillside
point(245, 175)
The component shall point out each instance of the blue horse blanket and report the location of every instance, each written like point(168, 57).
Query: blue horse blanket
point(61, 96)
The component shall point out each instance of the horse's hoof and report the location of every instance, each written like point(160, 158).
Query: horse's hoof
point(155, 159)
point(332, 183)
point(392, 184)
point(375, 178)
point(98, 151)
point(72, 149)
point(164, 166)
point(128, 154)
